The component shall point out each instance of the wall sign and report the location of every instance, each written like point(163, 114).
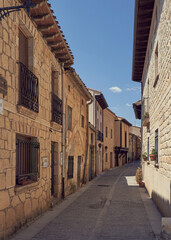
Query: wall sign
point(44, 162)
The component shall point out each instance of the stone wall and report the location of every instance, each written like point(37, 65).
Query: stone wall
point(91, 151)
point(109, 154)
point(18, 204)
point(76, 138)
point(157, 95)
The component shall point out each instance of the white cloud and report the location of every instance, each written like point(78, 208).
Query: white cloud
point(133, 89)
point(128, 105)
point(115, 89)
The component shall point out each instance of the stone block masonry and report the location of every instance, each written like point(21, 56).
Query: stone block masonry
point(21, 203)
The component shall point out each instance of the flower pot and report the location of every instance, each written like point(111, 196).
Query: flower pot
point(145, 158)
point(153, 157)
point(141, 184)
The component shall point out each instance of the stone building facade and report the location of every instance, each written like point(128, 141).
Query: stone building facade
point(109, 139)
point(32, 64)
point(154, 73)
point(96, 118)
point(91, 151)
point(134, 152)
point(122, 128)
point(76, 109)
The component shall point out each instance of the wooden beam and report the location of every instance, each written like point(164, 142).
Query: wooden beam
point(46, 27)
point(51, 37)
point(61, 55)
point(41, 17)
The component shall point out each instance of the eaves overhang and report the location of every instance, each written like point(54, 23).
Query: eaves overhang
point(42, 15)
point(137, 109)
point(142, 24)
point(123, 120)
point(71, 71)
point(101, 100)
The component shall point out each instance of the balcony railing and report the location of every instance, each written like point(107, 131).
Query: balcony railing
point(56, 109)
point(100, 136)
point(29, 89)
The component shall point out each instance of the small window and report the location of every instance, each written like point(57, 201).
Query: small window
point(27, 160)
point(55, 83)
point(156, 143)
point(69, 88)
point(23, 48)
point(106, 157)
point(101, 126)
point(82, 102)
point(70, 166)
point(69, 118)
point(106, 131)
point(125, 139)
point(111, 133)
point(97, 124)
point(91, 138)
point(82, 121)
point(156, 67)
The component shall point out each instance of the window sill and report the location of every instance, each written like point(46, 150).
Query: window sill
point(26, 112)
point(20, 189)
point(56, 126)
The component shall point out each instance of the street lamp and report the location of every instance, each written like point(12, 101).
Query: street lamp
point(5, 11)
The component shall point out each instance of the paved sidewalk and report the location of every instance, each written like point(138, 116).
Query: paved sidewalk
point(111, 207)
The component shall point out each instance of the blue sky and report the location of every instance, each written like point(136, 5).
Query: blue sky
point(100, 36)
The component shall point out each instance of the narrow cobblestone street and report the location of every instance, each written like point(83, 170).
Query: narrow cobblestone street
point(112, 206)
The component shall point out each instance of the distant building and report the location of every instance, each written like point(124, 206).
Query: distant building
point(76, 98)
point(96, 118)
point(134, 144)
point(109, 139)
point(122, 127)
point(152, 68)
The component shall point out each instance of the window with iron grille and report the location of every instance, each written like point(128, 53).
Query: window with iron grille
point(69, 118)
point(111, 133)
point(28, 82)
point(70, 166)
point(27, 160)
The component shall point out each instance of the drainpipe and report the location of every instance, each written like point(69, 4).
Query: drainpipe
point(87, 147)
point(63, 133)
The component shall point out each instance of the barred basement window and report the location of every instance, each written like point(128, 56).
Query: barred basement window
point(27, 160)
point(70, 166)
